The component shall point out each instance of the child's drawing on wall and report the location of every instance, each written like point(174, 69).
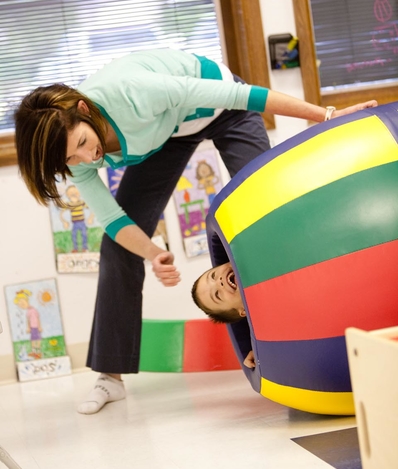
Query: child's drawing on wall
point(77, 234)
point(78, 221)
point(36, 330)
point(207, 179)
point(194, 193)
point(114, 178)
point(35, 320)
point(33, 325)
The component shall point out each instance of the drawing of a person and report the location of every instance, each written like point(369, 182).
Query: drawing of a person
point(206, 179)
point(33, 326)
point(76, 207)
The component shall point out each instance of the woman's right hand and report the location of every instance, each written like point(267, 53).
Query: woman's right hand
point(132, 238)
point(165, 271)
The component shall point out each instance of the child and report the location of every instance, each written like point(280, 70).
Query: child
point(217, 294)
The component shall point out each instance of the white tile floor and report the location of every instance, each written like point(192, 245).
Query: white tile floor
point(168, 421)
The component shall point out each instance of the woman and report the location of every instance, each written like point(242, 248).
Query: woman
point(147, 111)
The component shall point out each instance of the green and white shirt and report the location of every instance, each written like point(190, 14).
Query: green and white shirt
point(146, 97)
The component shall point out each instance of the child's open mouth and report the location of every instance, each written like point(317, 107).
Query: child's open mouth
point(231, 280)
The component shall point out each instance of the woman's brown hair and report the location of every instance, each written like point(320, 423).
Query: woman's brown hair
point(42, 122)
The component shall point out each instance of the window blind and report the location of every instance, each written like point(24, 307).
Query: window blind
point(63, 41)
point(356, 42)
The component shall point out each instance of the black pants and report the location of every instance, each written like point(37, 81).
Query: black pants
point(144, 192)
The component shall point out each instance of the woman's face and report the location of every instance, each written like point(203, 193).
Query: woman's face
point(83, 145)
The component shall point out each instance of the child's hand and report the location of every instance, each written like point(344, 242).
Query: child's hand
point(165, 271)
point(249, 361)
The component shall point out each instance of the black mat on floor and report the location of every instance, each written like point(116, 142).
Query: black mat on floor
point(340, 449)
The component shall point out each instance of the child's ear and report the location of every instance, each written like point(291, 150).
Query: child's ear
point(242, 313)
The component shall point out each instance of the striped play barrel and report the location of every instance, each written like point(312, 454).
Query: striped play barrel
point(311, 228)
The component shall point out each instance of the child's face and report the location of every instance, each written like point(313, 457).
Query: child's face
point(218, 291)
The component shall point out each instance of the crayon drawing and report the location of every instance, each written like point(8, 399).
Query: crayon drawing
point(195, 191)
point(36, 329)
point(77, 234)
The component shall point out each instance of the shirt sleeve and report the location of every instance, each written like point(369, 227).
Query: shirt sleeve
point(188, 92)
point(99, 199)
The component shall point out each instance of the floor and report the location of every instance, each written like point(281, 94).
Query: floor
point(168, 421)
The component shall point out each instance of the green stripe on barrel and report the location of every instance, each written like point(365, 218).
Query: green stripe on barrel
point(345, 216)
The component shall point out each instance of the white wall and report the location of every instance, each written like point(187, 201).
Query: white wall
point(278, 18)
point(26, 247)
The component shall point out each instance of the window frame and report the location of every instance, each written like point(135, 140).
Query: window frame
point(311, 84)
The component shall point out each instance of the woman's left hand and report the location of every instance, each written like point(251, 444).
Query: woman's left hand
point(356, 107)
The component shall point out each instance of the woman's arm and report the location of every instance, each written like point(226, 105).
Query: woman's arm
point(132, 238)
point(176, 92)
point(284, 105)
